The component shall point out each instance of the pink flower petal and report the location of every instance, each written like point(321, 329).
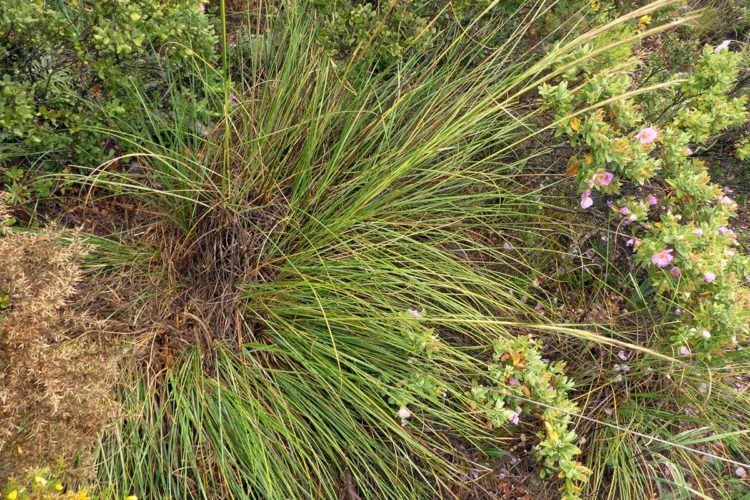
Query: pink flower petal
point(723, 46)
point(403, 413)
point(662, 258)
point(603, 178)
point(647, 135)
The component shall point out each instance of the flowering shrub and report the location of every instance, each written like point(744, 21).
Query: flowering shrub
point(41, 485)
point(519, 385)
point(421, 384)
point(522, 384)
point(677, 219)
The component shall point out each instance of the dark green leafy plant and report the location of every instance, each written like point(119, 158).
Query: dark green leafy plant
point(66, 67)
point(380, 32)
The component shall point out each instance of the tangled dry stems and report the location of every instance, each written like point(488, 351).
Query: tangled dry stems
point(223, 253)
point(56, 378)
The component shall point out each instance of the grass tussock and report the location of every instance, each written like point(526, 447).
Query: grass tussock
point(315, 283)
point(293, 241)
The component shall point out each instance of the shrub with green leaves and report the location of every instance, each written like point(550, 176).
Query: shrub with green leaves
point(380, 32)
point(522, 385)
point(676, 219)
point(66, 66)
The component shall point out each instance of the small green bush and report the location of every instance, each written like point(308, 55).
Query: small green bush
point(520, 382)
point(66, 69)
point(379, 32)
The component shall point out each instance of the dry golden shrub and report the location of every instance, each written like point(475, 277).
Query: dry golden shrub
point(56, 379)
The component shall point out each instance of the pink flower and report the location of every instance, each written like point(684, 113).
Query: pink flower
point(709, 277)
point(684, 351)
point(662, 258)
point(586, 200)
point(514, 418)
point(622, 355)
point(233, 99)
point(403, 413)
point(202, 7)
point(416, 314)
point(729, 202)
point(675, 271)
point(678, 311)
point(506, 246)
point(688, 151)
point(647, 135)
point(652, 200)
point(603, 178)
point(624, 210)
point(698, 232)
point(723, 46)
point(706, 334)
